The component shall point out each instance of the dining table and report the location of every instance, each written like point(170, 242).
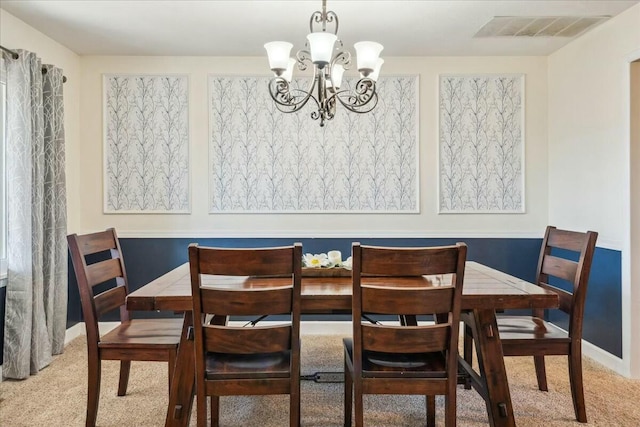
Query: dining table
point(486, 291)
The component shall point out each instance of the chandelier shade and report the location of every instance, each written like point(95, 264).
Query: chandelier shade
point(321, 47)
point(323, 51)
point(336, 77)
point(288, 73)
point(367, 54)
point(278, 53)
point(376, 71)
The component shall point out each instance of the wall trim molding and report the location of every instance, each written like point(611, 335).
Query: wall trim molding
point(603, 242)
point(246, 233)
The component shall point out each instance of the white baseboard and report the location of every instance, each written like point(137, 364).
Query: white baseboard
point(74, 332)
point(605, 358)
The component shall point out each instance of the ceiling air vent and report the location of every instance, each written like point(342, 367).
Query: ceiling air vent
point(539, 26)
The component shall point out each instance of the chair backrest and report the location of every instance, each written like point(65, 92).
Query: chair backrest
point(97, 259)
point(281, 261)
point(387, 296)
point(555, 262)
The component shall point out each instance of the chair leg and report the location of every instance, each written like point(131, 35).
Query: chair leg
point(125, 367)
point(541, 374)
point(450, 409)
point(431, 411)
point(358, 403)
point(172, 365)
point(214, 402)
point(348, 395)
point(93, 390)
point(201, 407)
point(577, 388)
point(468, 351)
point(294, 404)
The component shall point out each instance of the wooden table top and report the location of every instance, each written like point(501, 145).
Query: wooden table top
point(484, 288)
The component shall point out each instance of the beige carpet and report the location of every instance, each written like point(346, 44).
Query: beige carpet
point(56, 396)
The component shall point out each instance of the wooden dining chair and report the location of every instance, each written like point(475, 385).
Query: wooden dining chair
point(102, 282)
point(236, 360)
point(565, 257)
point(418, 359)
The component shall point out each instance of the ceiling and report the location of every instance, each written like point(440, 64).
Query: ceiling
point(240, 28)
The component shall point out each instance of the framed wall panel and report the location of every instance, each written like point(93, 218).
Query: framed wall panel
point(264, 160)
point(481, 144)
point(146, 144)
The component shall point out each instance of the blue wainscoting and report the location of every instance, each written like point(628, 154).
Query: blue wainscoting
point(148, 258)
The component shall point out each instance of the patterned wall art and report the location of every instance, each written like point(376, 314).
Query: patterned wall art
point(481, 151)
point(146, 144)
point(264, 160)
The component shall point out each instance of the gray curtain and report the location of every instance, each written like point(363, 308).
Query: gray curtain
point(36, 305)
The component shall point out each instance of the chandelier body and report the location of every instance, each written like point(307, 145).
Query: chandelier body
point(328, 65)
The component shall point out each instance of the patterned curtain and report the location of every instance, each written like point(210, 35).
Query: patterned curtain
point(36, 305)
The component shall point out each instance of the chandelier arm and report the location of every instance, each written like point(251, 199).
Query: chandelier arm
point(364, 95)
point(289, 108)
point(282, 94)
point(327, 113)
point(370, 104)
point(316, 17)
point(331, 108)
point(303, 56)
point(331, 17)
point(343, 57)
point(323, 17)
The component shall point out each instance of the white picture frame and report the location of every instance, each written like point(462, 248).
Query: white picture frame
point(146, 144)
point(481, 143)
point(262, 160)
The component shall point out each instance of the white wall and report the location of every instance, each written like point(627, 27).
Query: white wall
point(587, 131)
point(589, 163)
point(15, 34)
point(83, 126)
point(635, 204)
point(200, 223)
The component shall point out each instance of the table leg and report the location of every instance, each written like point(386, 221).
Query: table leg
point(183, 383)
point(492, 382)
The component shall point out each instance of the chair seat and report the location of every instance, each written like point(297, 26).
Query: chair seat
point(529, 328)
point(141, 333)
point(265, 365)
point(418, 365)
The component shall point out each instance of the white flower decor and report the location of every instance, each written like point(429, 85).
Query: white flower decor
point(347, 263)
point(333, 259)
point(315, 260)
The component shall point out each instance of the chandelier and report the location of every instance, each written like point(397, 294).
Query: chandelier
point(329, 65)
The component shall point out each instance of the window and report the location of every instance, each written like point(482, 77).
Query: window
point(3, 174)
